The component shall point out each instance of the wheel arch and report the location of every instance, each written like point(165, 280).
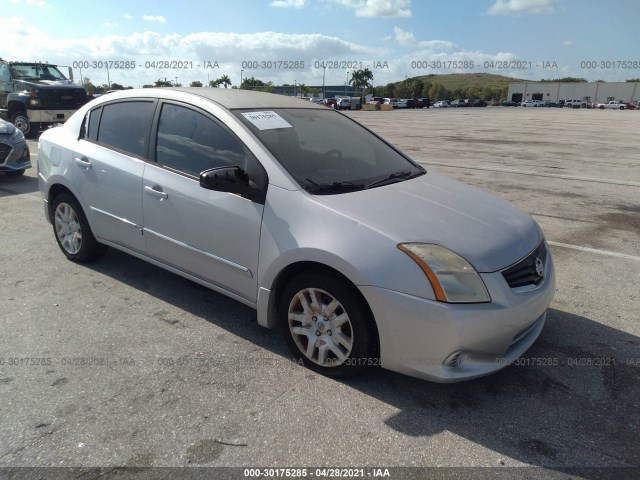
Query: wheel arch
point(15, 106)
point(292, 270)
point(55, 190)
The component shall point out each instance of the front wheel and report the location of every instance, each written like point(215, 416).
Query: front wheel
point(72, 230)
point(22, 123)
point(327, 325)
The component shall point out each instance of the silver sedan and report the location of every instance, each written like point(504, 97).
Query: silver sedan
point(357, 253)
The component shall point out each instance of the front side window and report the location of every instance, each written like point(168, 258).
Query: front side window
point(191, 142)
point(124, 126)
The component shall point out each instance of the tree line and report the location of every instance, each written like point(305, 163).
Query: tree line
point(361, 80)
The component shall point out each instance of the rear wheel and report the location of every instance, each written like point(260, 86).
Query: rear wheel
point(15, 173)
point(72, 230)
point(327, 325)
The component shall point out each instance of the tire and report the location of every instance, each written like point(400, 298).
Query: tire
point(601, 107)
point(72, 231)
point(343, 325)
point(15, 173)
point(22, 123)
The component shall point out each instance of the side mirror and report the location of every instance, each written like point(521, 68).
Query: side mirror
point(70, 74)
point(231, 180)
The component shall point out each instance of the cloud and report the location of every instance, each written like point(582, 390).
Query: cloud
point(230, 50)
point(377, 8)
point(110, 24)
point(288, 3)
point(567, 43)
point(509, 7)
point(154, 18)
point(128, 16)
point(408, 39)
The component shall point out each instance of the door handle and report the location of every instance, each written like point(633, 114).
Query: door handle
point(83, 162)
point(156, 192)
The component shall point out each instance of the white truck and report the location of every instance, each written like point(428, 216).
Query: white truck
point(615, 104)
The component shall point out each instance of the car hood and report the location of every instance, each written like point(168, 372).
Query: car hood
point(490, 233)
point(6, 128)
point(26, 84)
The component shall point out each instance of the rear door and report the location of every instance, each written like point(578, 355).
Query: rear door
point(212, 235)
point(108, 164)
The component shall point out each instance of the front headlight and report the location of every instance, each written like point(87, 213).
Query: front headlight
point(454, 280)
point(17, 137)
point(34, 102)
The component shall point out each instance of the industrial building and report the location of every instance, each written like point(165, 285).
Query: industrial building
point(593, 92)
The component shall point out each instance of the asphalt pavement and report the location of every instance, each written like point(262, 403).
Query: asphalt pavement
point(121, 364)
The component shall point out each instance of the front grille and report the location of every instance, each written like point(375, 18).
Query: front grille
point(5, 150)
point(526, 274)
point(64, 98)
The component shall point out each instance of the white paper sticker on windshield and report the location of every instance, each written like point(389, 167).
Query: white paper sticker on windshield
point(266, 120)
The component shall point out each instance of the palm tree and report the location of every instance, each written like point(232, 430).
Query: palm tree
point(360, 78)
point(367, 75)
point(224, 80)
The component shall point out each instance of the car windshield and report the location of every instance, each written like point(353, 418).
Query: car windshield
point(37, 71)
point(326, 152)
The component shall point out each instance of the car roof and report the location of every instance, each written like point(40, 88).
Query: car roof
point(230, 98)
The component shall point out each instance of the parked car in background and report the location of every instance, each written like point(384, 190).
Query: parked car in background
point(330, 102)
point(315, 100)
point(460, 102)
point(411, 103)
point(14, 151)
point(390, 101)
point(577, 104)
point(424, 102)
point(532, 103)
point(332, 242)
point(478, 103)
point(551, 104)
point(375, 101)
point(344, 103)
point(402, 103)
point(614, 105)
point(509, 103)
point(441, 104)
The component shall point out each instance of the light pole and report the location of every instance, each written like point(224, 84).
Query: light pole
point(324, 92)
point(295, 88)
point(207, 79)
point(175, 84)
point(345, 84)
point(241, 78)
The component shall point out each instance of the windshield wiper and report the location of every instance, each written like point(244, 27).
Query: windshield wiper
point(334, 187)
point(395, 177)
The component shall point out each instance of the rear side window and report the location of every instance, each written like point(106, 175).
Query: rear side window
point(124, 126)
point(93, 120)
point(191, 142)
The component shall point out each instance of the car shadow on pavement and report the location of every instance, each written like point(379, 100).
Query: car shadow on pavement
point(17, 185)
point(571, 402)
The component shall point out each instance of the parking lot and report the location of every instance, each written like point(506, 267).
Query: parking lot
point(119, 363)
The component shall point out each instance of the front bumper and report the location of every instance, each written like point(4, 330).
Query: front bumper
point(14, 157)
point(453, 342)
point(49, 116)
